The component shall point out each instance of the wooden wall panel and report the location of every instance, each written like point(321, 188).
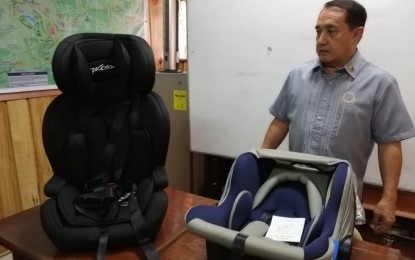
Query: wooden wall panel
point(10, 202)
point(24, 151)
point(24, 167)
point(44, 170)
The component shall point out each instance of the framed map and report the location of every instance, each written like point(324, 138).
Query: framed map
point(31, 29)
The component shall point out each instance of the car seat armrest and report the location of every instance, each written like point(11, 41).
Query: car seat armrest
point(266, 248)
point(255, 228)
point(216, 215)
point(212, 232)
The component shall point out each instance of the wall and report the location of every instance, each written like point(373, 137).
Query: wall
point(240, 51)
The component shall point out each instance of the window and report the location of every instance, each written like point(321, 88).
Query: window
point(182, 30)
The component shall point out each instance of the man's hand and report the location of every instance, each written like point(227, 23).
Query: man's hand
point(383, 216)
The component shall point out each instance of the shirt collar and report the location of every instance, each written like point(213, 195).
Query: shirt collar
point(351, 67)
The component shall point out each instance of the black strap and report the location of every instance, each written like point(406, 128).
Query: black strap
point(149, 251)
point(102, 246)
point(139, 225)
point(266, 217)
point(118, 124)
point(138, 222)
point(238, 247)
point(101, 204)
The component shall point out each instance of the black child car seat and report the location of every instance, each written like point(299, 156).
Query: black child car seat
point(106, 137)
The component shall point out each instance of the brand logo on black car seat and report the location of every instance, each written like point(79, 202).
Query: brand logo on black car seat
point(101, 67)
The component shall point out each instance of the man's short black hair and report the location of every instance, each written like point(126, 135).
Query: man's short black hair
point(355, 13)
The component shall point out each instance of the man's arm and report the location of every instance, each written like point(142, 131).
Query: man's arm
point(276, 133)
point(390, 164)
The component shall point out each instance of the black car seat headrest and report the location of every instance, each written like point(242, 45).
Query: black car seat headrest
point(104, 68)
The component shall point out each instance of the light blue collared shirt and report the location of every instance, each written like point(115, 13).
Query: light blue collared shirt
point(343, 114)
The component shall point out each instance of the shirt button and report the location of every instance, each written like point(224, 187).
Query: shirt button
point(319, 117)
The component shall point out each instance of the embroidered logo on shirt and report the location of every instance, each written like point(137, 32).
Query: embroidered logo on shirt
point(349, 97)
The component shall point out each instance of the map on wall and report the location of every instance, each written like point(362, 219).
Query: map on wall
point(31, 29)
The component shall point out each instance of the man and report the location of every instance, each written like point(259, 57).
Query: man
point(340, 105)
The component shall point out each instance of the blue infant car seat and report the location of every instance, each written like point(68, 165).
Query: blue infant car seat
point(264, 183)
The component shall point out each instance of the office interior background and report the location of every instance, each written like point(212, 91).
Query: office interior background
point(24, 167)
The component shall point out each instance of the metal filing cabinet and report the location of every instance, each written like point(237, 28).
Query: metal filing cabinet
point(173, 88)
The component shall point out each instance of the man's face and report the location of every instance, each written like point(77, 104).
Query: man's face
point(335, 42)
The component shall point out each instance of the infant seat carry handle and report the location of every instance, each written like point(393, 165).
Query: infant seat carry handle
point(314, 168)
point(320, 163)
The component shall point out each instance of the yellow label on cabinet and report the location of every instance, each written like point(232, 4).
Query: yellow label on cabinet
point(180, 100)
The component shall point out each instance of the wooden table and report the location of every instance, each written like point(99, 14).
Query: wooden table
point(24, 236)
point(192, 247)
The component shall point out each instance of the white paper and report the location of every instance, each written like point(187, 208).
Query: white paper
point(286, 229)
